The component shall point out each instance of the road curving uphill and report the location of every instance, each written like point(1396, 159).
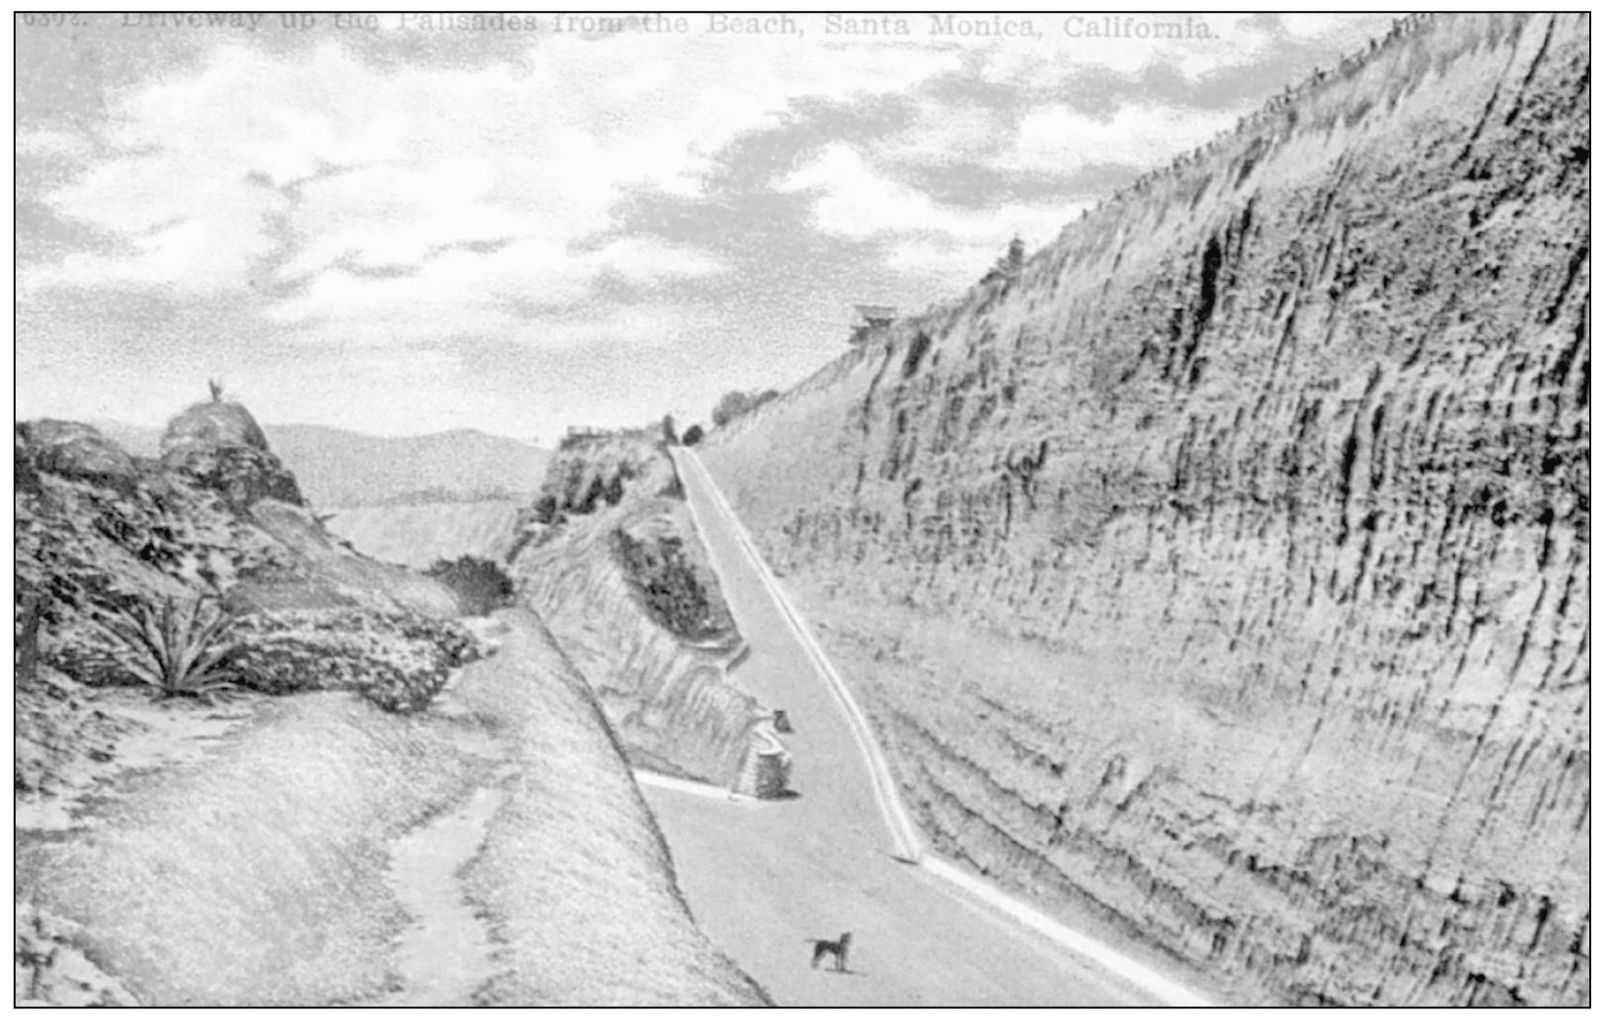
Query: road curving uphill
point(842, 854)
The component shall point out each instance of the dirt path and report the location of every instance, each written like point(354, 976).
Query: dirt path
point(446, 953)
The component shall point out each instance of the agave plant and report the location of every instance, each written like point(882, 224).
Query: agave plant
point(178, 648)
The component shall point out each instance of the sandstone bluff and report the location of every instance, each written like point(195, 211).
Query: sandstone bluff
point(1226, 569)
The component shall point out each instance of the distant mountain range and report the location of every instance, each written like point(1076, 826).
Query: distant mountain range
point(340, 468)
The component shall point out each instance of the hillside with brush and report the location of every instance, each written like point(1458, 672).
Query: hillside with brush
point(111, 547)
point(610, 559)
point(234, 736)
point(1224, 568)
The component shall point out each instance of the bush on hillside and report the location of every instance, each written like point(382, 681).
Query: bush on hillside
point(735, 403)
point(672, 593)
point(480, 585)
point(546, 510)
point(695, 434)
point(397, 661)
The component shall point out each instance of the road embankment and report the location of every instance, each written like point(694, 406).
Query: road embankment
point(263, 873)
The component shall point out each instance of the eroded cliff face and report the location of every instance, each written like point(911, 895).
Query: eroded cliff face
point(1227, 569)
point(618, 574)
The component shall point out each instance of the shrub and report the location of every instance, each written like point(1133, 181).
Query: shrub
point(180, 648)
point(546, 510)
point(695, 434)
point(671, 591)
point(480, 585)
point(397, 661)
point(735, 403)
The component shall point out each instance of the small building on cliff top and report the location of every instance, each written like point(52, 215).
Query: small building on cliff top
point(871, 320)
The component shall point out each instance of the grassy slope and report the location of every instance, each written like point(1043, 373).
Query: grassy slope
point(576, 875)
point(258, 876)
point(256, 872)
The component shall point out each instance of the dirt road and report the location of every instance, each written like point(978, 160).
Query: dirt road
point(764, 881)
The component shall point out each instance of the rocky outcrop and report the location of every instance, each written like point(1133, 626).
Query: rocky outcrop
point(215, 423)
point(617, 574)
point(70, 449)
point(221, 446)
point(1266, 488)
point(102, 538)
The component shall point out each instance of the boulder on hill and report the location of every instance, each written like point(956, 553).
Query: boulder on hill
point(222, 447)
point(73, 450)
point(214, 424)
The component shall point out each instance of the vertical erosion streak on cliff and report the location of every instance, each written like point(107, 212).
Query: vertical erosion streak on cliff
point(1228, 570)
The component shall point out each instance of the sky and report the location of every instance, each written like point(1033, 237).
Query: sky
point(408, 226)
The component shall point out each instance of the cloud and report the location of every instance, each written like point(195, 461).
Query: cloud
point(52, 143)
point(387, 215)
point(1057, 139)
point(522, 288)
point(936, 244)
point(204, 245)
point(322, 162)
point(444, 206)
point(654, 324)
point(1127, 43)
point(853, 200)
point(941, 263)
point(327, 169)
point(1330, 25)
point(648, 261)
point(948, 132)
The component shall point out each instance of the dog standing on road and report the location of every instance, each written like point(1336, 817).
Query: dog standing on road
point(840, 949)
